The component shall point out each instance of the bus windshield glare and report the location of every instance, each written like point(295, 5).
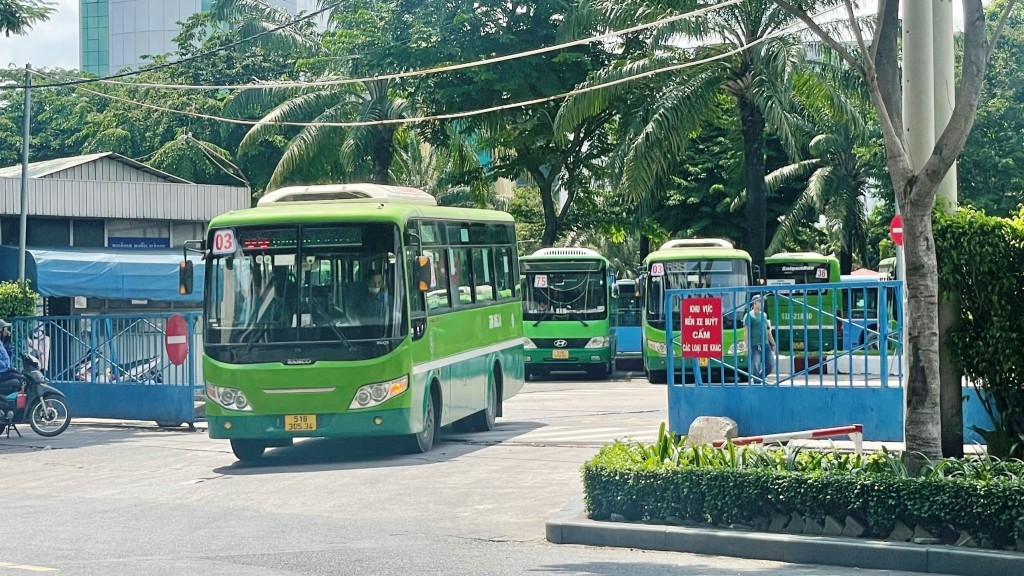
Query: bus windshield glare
point(337, 289)
point(574, 289)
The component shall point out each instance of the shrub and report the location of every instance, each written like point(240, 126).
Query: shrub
point(17, 299)
point(982, 495)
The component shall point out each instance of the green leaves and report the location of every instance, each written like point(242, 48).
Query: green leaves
point(17, 299)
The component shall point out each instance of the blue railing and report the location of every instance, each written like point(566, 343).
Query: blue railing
point(118, 366)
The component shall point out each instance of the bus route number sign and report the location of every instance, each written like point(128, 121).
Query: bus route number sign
point(540, 281)
point(701, 327)
point(224, 241)
point(821, 273)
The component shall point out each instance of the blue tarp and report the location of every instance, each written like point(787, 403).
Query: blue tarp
point(107, 273)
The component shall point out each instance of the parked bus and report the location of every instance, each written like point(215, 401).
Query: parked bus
point(695, 263)
point(568, 312)
point(859, 311)
point(627, 328)
point(357, 310)
point(803, 317)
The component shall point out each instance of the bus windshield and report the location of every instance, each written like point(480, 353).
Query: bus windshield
point(336, 289)
point(575, 290)
point(797, 273)
point(690, 274)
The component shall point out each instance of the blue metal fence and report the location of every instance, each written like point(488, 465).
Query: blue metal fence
point(855, 378)
point(117, 366)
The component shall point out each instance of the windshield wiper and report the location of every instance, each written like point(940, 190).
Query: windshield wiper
point(542, 318)
point(260, 329)
point(577, 316)
point(337, 331)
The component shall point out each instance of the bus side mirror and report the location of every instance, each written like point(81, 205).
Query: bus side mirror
point(758, 279)
point(615, 291)
point(640, 289)
point(423, 275)
point(185, 277)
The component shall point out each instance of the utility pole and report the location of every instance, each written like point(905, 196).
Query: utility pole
point(918, 112)
point(25, 133)
point(950, 380)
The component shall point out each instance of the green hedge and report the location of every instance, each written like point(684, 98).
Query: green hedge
point(748, 485)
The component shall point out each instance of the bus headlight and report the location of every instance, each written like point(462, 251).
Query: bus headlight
point(528, 344)
point(229, 398)
point(737, 348)
point(372, 395)
point(597, 342)
point(658, 347)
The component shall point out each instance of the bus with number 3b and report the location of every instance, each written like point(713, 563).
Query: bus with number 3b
point(357, 310)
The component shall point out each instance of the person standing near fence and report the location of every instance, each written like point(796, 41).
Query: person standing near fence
point(760, 342)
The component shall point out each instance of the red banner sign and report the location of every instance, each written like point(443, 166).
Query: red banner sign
point(701, 327)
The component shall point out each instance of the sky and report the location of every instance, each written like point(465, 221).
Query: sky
point(51, 44)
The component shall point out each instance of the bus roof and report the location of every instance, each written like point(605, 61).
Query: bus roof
point(567, 254)
point(801, 257)
point(710, 249)
point(361, 210)
point(355, 192)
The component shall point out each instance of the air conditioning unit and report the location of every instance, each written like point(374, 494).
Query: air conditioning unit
point(697, 243)
point(348, 193)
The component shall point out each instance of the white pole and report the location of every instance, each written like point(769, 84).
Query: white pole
point(945, 90)
point(25, 134)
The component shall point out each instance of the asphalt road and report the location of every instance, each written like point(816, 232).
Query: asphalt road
point(115, 499)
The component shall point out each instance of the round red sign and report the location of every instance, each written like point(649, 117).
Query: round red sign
point(176, 339)
point(896, 229)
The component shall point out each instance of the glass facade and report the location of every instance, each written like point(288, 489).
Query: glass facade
point(95, 36)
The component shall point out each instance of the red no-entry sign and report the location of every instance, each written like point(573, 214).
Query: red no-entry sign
point(176, 339)
point(896, 229)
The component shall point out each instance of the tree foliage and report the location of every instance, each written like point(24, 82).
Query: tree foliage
point(19, 16)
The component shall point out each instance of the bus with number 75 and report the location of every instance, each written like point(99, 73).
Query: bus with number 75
point(357, 310)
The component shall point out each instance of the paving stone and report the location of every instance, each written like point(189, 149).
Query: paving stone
point(901, 533)
point(967, 540)
point(811, 527)
point(923, 536)
point(832, 527)
point(778, 523)
point(796, 524)
point(853, 528)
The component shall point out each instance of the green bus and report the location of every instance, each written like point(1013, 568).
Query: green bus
point(686, 264)
point(803, 318)
point(568, 312)
point(357, 310)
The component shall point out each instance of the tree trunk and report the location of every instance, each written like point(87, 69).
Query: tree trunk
point(550, 213)
point(923, 425)
point(645, 247)
point(845, 260)
point(752, 125)
point(383, 152)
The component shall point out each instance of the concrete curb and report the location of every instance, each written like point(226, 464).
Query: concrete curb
point(571, 526)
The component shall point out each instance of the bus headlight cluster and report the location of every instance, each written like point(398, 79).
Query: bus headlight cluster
point(658, 347)
point(597, 342)
point(528, 344)
point(375, 394)
point(229, 398)
point(737, 348)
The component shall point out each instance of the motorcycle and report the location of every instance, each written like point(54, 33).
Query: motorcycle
point(143, 371)
point(36, 402)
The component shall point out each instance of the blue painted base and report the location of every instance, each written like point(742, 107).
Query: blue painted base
point(159, 403)
point(776, 409)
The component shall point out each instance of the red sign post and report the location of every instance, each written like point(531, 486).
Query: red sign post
point(896, 229)
point(176, 339)
point(701, 327)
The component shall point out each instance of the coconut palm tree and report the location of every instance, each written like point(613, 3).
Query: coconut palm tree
point(839, 174)
point(755, 77)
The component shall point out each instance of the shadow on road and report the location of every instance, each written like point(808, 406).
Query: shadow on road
point(653, 569)
point(355, 453)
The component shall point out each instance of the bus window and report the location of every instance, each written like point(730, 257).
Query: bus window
point(437, 296)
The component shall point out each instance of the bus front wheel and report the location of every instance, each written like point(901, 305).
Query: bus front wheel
point(657, 376)
point(422, 442)
point(248, 450)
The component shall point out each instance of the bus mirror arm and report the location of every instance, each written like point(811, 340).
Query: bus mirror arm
point(423, 273)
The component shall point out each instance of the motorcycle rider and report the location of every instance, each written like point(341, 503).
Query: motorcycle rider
point(10, 379)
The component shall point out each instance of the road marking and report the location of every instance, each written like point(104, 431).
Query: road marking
point(27, 567)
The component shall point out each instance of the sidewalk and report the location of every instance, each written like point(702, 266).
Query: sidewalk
point(571, 526)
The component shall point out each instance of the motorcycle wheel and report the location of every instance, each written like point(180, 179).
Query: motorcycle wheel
point(49, 416)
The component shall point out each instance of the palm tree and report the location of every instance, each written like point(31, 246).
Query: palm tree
point(18, 16)
point(755, 77)
point(840, 177)
point(327, 152)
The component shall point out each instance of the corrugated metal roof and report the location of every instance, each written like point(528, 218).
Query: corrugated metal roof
point(48, 167)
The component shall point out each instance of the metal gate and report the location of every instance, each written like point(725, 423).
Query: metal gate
point(837, 360)
point(117, 366)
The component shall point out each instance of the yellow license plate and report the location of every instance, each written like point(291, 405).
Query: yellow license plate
point(560, 354)
point(300, 423)
point(702, 362)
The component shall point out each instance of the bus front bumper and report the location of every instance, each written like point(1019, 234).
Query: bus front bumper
point(566, 356)
point(363, 423)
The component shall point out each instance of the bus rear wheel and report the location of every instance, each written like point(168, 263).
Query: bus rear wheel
point(483, 420)
point(248, 450)
point(422, 442)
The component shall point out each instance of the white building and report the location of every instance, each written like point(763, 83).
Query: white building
point(117, 33)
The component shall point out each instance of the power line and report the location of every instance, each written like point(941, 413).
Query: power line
point(192, 58)
point(425, 71)
point(454, 115)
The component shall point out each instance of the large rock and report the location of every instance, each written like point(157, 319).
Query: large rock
point(709, 429)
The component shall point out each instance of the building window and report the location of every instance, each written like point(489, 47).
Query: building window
point(41, 232)
point(88, 233)
point(138, 234)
